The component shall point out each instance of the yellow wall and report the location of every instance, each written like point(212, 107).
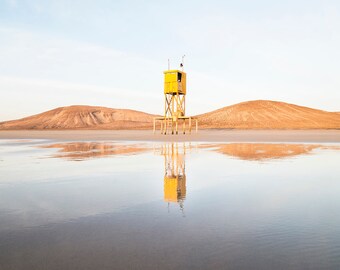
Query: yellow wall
point(171, 84)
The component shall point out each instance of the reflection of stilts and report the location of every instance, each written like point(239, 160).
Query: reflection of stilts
point(174, 174)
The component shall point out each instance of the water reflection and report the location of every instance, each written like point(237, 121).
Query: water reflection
point(85, 150)
point(111, 213)
point(263, 151)
point(173, 153)
point(174, 173)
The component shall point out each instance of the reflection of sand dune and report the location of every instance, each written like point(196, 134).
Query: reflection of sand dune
point(251, 151)
point(84, 150)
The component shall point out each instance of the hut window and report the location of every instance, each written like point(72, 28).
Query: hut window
point(179, 77)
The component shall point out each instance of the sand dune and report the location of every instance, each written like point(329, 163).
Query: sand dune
point(265, 114)
point(86, 117)
point(259, 114)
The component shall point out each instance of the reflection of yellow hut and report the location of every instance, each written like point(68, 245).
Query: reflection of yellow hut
point(174, 189)
point(174, 173)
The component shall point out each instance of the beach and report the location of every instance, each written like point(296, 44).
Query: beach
point(208, 135)
point(82, 199)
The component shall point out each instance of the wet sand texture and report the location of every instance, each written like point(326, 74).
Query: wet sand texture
point(305, 136)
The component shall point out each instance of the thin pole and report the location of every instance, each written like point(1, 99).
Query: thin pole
point(183, 62)
point(165, 126)
point(165, 105)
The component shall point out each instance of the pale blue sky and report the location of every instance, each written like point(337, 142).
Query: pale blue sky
point(113, 53)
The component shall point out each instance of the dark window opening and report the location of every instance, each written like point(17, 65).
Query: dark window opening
point(179, 77)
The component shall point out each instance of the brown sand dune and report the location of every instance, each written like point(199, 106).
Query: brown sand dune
point(83, 117)
point(259, 114)
point(265, 114)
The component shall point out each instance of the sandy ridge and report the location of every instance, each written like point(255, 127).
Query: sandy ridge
point(258, 114)
point(265, 114)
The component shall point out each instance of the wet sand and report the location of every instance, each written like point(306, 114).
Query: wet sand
point(101, 204)
point(317, 136)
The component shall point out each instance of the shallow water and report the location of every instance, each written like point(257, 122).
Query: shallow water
point(133, 205)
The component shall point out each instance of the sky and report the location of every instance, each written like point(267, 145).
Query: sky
point(113, 53)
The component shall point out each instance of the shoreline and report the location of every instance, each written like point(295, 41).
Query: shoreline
point(207, 135)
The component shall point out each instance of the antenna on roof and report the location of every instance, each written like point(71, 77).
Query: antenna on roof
point(182, 64)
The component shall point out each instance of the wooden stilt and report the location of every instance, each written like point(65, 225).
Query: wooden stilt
point(165, 126)
point(174, 105)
